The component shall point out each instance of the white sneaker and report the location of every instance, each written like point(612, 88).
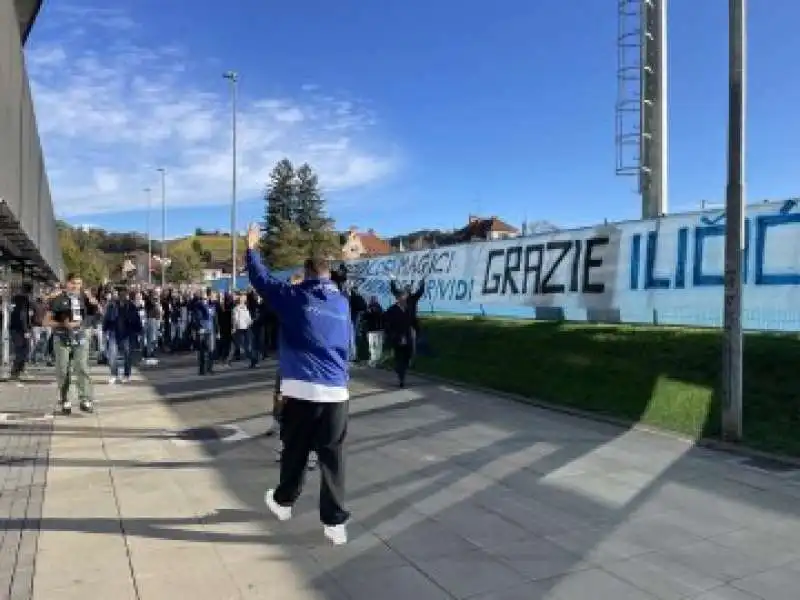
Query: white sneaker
point(112, 381)
point(282, 513)
point(337, 534)
point(126, 380)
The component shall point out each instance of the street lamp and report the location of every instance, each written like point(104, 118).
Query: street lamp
point(233, 77)
point(163, 172)
point(149, 193)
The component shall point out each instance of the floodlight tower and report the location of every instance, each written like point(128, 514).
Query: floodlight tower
point(641, 108)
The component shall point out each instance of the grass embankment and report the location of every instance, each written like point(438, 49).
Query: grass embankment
point(219, 246)
point(664, 377)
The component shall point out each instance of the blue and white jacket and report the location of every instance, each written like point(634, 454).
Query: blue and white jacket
point(315, 333)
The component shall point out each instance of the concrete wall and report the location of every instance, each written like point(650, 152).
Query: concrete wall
point(662, 271)
point(24, 186)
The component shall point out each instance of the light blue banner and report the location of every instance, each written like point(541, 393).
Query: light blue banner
point(662, 271)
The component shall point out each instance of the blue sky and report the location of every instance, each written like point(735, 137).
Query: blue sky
point(415, 113)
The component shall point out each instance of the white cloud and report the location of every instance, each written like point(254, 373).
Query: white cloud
point(84, 16)
point(110, 113)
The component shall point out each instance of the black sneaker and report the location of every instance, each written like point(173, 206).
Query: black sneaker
point(66, 408)
point(87, 406)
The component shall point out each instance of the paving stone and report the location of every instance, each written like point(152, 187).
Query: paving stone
point(397, 583)
point(427, 538)
point(663, 577)
point(538, 558)
point(726, 592)
point(25, 449)
point(782, 583)
point(450, 499)
point(592, 585)
point(470, 573)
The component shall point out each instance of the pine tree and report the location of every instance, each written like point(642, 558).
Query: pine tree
point(289, 249)
point(280, 203)
point(295, 223)
point(320, 238)
point(310, 214)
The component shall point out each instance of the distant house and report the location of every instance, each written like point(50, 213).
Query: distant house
point(213, 273)
point(360, 245)
point(480, 229)
point(133, 268)
point(221, 269)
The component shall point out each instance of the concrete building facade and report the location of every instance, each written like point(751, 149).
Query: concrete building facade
point(28, 238)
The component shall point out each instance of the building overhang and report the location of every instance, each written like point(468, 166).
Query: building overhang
point(27, 11)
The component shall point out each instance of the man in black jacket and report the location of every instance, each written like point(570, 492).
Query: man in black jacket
point(398, 322)
point(152, 325)
point(40, 334)
point(411, 304)
point(339, 276)
point(20, 327)
point(358, 306)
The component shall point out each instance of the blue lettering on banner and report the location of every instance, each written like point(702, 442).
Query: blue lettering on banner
point(671, 269)
point(651, 280)
point(701, 278)
point(763, 225)
point(447, 290)
point(680, 269)
point(435, 262)
point(676, 277)
point(636, 258)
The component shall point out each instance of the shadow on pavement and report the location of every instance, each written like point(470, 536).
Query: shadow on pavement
point(457, 494)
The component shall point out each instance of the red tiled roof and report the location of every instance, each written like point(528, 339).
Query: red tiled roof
point(480, 228)
point(373, 245)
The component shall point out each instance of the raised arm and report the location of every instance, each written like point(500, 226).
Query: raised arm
point(420, 290)
point(265, 284)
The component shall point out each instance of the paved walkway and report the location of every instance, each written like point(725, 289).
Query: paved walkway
point(455, 494)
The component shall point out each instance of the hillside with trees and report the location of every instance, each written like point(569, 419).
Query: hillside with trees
point(295, 226)
point(98, 255)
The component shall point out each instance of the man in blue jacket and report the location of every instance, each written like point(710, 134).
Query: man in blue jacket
point(313, 350)
point(204, 319)
point(121, 324)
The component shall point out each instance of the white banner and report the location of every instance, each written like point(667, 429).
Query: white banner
point(662, 271)
point(667, 271)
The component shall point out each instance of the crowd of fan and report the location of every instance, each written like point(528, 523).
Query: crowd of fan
point(123, 324)
point(319, 322)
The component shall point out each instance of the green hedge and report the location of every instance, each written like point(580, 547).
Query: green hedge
point(664, 377)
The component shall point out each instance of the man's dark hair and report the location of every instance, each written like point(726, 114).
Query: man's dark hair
point(72, 276)
point(316, 264)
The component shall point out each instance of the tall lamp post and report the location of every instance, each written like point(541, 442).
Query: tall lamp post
point(733, 340)
point(149, 193)
point(233, 77)
point(163, 172)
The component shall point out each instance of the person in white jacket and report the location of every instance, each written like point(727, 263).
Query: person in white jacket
point(242, 320)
